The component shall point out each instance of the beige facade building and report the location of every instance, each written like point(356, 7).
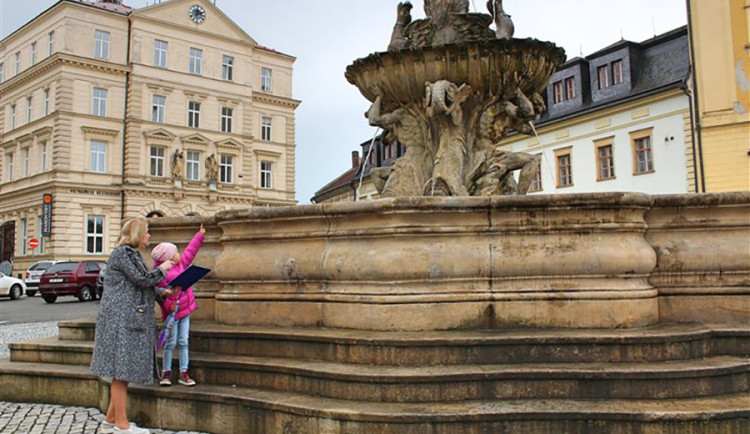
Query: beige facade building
point(168, 110)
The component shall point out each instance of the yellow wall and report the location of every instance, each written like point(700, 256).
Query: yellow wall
point(721, 46)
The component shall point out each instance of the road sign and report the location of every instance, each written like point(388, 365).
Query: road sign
point(33, 243)
point(47, 215)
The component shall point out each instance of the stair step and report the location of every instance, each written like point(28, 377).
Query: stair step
point(650, 380)
point(222, 409)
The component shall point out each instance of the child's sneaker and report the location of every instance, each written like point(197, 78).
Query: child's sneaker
point(134, 429)
point(106, 427)
point(166, 379)
point(185, 379)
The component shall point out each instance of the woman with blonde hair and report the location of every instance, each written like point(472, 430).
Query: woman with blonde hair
point(124, 349)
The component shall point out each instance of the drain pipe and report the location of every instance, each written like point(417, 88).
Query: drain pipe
point(125, 121)
point(696, 102)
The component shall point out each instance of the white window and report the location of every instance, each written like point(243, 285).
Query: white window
point(28, 109)
point(226, 119)
point(265, 129)
point(9, 166)
point(160, 53)
point(12, 117)
point(193, 166)
point(101, 44)
point(194, 114)
point(45, 105)
point(265, 175)
point(158, 107)
point(18, 62)
point(43, 153)
point(98, 156)
point(95, 234)
point(265, 79)
point(99, 106)
point(226, 167)
point(25, 154)
point(33, 53)
point(24, 236)
point(227, 67)
point(196, 59)
point(157, 161)
point(51, 43)
point(2, 72)
point(39, 235)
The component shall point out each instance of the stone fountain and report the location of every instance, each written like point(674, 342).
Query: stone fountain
point(449, 89)
point(611, 313)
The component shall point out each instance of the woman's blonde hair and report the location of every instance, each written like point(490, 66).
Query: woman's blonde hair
point(132, 232)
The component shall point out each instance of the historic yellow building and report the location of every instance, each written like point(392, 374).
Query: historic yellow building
point(168, 110)
point(720, 49)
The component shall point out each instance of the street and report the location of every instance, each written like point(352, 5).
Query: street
point(34, 309)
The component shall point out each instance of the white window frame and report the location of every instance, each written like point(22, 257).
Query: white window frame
point(9, 165)
point(101, 44)
point(193, 165)
point(161, 52)
point(50, 43)
point(33, 53)
point(18, 62)
point(156, 161)
point(158, 108)
point(98, 156)
point(226, 168)
point(43, 154)
point(13, 117)
point(24, 236)
point(266, 79)
point(226, 119)
point(266, 175)
point(2, 72)
point(266, 124)
point(227, 67)
point(99, 102)
point(194, 114)
point(25, 154)
point(45, 102)
point(96, 235)
point(196, 61)
point(29, 101)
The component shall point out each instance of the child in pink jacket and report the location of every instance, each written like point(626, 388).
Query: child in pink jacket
point(180, 333)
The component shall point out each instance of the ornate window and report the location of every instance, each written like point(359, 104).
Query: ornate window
point(158, 107)
point(226, 168)
point(226, 119)
point(193, 165)
point(98, 156)
point(99, 104)
point(157, 159)
point(194, 114)
point(266, 175)
point(265, 129)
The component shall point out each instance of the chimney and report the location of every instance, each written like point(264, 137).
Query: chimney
point(355, 159)
point(117, 2)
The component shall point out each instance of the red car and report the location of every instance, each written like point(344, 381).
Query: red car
point(71, 278)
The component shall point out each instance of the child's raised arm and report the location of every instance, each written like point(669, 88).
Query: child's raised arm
point(192, 248)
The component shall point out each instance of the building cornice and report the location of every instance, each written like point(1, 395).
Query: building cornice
point(276, 100)
point(59, 59)
point(99, 131)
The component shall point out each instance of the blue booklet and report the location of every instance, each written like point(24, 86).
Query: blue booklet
point(187, 278)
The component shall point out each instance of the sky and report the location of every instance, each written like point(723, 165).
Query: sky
point(328, 35)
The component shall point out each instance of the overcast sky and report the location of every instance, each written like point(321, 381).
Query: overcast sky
point(327, 35)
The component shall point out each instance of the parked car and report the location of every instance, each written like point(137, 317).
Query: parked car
point(33, 274)
point(11, 287)
point(100, 281)
point(70, 278)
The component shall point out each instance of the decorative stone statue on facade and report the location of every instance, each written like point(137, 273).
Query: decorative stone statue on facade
point(176, 164)
point(212, 169)
point(449, 89)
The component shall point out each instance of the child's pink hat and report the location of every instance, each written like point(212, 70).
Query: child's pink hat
point(163, 252)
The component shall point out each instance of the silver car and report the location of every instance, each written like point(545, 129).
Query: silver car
point(34, 273)
point(11, 287)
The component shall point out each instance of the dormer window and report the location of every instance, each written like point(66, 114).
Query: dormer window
point(557, 92)
point(570, 88)
point(602, 74)
point(617, 77)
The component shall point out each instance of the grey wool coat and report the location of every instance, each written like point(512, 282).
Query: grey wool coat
point(125, 328)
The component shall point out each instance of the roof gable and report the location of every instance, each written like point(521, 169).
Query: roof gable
point(176, 12)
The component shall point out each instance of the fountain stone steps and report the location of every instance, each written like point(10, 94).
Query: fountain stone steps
point(221, 409)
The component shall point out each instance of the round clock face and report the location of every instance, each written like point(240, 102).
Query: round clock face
point(197, 14)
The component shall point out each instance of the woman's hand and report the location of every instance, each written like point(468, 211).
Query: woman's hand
point(202, 229)
point(166, 266)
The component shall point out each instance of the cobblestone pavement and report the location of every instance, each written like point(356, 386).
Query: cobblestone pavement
point(24, 332)
point(54, 419)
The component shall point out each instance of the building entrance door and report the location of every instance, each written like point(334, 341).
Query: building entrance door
point(7, 241)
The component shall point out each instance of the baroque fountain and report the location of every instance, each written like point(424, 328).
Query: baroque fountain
point(456, 304)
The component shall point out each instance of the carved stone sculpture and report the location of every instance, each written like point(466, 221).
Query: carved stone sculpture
point(449, 90)
point(212, 168)
point(503, 24)
point(176, 164)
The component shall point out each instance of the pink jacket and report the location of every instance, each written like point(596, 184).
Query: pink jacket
point(187, 298)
